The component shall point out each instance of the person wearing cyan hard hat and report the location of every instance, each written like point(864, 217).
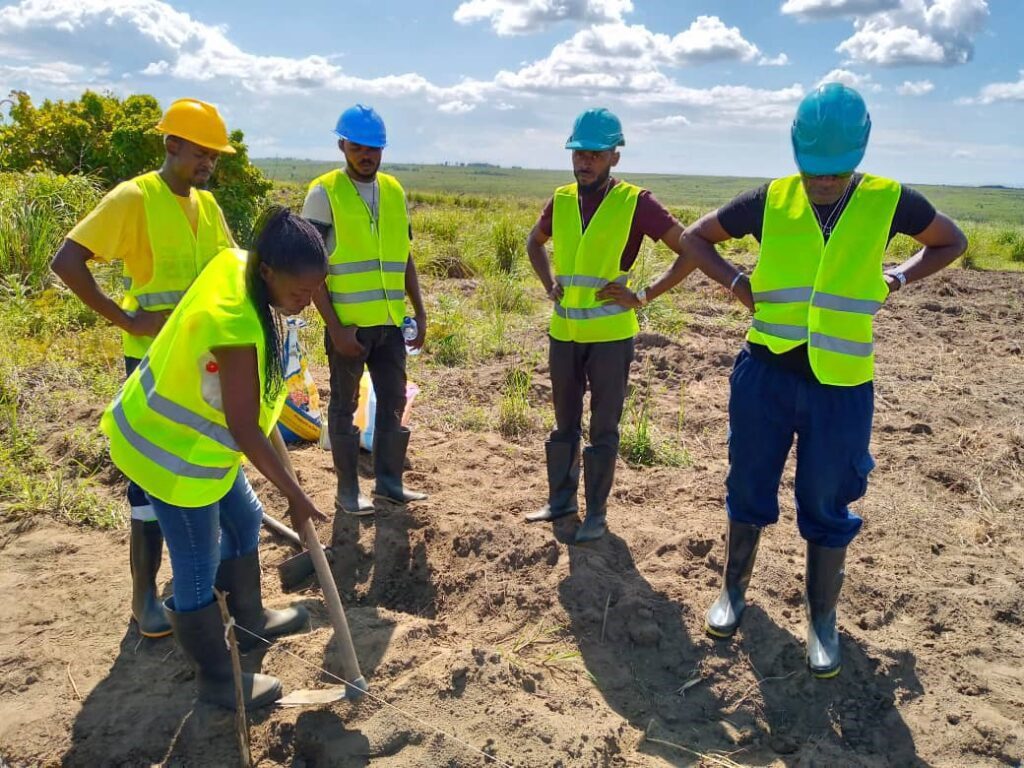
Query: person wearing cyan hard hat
point(598, 225)
point(164, 229)
point(361, 214)
point(807, 368)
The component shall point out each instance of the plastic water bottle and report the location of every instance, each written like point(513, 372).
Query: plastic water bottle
point(409, 332)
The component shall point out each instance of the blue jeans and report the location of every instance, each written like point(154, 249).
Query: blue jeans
point(198, 538)
point(767, 407)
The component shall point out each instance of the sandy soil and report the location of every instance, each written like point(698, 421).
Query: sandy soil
point(542, 654)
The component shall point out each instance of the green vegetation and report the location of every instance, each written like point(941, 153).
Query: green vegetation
point(514, 416)
point(701, 193)
point(111, 140)
point(641, 442)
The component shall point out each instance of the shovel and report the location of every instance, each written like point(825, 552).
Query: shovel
point(356, 684)
point(297, 568)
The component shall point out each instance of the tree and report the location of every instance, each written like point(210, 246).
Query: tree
point(111, 140)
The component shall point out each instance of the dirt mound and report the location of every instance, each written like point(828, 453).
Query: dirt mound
point(542, 654)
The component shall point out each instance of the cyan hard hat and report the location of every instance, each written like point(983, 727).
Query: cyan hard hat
point(831, 129)
point(362, 125)
point(596, 130)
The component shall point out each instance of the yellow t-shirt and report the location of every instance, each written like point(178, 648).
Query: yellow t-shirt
point(116, 230)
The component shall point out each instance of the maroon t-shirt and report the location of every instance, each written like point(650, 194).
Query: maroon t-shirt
point(650, 218)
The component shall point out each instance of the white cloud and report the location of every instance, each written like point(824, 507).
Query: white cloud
point(456, 107)
point(915, 87)
point(827, 9)
point(852, 79)
point(994, 92)
point(902, 32)
point(777, 61)
point(48, 73)
point(669, 121)
point(518, 17)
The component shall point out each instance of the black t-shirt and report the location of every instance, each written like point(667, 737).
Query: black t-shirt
point(744, 215)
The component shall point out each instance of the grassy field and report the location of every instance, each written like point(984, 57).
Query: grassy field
point(981, 204)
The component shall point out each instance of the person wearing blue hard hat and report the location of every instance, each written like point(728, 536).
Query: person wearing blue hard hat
point(361, 213)
point(598, 225)
point(807, 368)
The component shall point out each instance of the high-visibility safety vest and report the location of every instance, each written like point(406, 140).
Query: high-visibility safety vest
point(818, 294)
point(366, 277)
point(167, 427)
point(585, 262)
point(179, 254)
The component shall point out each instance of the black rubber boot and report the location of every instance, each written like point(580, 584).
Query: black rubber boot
point(598, 474)
point(146, 550)
point(389, 449)
point(825, 572)
point(723, 617)
point(201, 636)
point(345, 452)
point(563, 463)
point(240, 578)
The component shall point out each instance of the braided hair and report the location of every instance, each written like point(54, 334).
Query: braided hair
point(288, 244)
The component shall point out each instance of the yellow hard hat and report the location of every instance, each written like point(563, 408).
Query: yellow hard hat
point(198, 122)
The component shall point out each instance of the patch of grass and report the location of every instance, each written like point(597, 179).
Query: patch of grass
point(445, 261)
point(440, 224)
point(448, 342)
point(508, 240)
point(641, 443)
point(515, 417)
point(473, 419)
point(504, 293)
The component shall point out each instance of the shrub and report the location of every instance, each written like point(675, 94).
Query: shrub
point(508, 244)
point(514, 416)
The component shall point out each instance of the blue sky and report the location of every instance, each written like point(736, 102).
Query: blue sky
point(702, 86)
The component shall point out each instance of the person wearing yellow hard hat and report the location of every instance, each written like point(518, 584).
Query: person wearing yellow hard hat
point(164, 229)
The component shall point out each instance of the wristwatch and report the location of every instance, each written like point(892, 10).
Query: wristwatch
point(641, 296)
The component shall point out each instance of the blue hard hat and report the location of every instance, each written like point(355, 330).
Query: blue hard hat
point(596, 130)
point(831, 129)
point(362, 125)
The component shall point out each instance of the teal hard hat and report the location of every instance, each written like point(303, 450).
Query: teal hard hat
point(596, 130)
point(831, 129)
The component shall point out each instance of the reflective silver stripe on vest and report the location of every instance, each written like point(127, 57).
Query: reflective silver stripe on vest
point(160, 456)
point(358, 297)
point(354, 267)
point(179, 414)
point(371, 265)
point(842, 346)
point(147, 300)
point(606, 310)
point(783, 295)
point(585, 281)
point(791, 332)
point(843, 304)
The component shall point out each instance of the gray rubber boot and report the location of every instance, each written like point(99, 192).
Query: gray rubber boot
point(345, 452)
point(723, 617)
point(146, 547)
point(825, 572)
point(598, 475)
point(240, 578)
point(200, 634)
point(389, 449)
point(563, 465)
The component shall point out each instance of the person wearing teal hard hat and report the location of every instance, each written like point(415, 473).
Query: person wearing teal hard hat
point(807, 368)
point(362, 215)
point(598, 225)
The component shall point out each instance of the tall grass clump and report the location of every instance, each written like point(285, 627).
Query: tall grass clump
point(514, 415)
point(449, 343)
point(38, 210)
point(504, 293)
point(507, 239)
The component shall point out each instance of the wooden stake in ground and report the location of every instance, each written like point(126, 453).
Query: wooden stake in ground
point(241, 726)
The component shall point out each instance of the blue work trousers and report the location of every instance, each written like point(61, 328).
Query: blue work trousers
point(198, 538)
point(768, 406)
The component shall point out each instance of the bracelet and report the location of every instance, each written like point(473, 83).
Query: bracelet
point(732, 285)
point(641, 296)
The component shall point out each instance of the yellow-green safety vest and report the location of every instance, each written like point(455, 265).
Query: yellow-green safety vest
point(366, 277)
point(179, 254)
point(587, 261)
point(167, 428)
point(818, 294)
